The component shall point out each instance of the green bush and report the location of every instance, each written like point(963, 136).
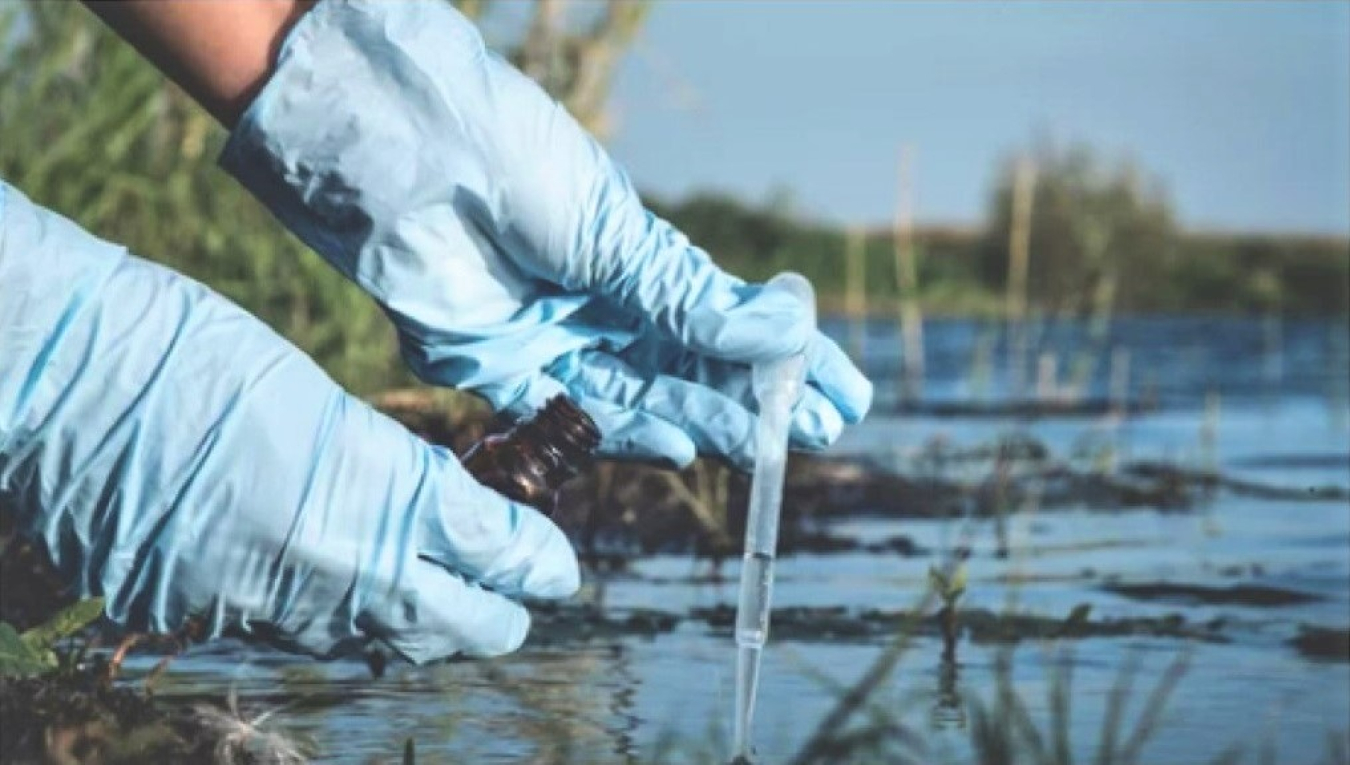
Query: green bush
point(1090, 223)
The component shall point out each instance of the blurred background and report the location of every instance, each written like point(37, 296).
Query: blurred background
point(1176, 157)
point(1095, 256)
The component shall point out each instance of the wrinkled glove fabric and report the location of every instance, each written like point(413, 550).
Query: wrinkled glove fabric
point(180, 459)
point(514, 256)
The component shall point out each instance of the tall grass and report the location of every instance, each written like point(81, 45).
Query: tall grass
point(94, 132)
point(91, 130)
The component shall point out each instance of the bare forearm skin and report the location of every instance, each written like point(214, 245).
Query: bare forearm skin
point(220, 51)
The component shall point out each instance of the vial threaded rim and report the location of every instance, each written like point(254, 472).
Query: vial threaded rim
point(567, 432)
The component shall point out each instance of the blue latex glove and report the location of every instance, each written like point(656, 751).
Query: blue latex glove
point(179, 458)
point(513, 255)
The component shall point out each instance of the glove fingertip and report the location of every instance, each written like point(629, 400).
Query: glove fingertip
point(856, 402)
point(438, 614)
point(836, 376)
point(554, 572)
point(506, 636)
point(816, 423)
point(768, 324)
point(635, 436)
point(516, 632)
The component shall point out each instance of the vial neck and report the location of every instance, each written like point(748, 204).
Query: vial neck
point(562, 437)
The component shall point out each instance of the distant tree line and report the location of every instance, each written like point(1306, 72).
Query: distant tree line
point(1097, 232)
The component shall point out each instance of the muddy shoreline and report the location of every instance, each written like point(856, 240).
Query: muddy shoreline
point(79, 717)
point(616, 511)
point(616, 514)
point(569, 623)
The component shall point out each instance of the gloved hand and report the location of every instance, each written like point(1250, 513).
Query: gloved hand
point(178, 458)
point(513, 255)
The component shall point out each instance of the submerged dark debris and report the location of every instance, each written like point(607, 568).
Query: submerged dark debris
point(1258, 595)
point(979, 624)
point(553, 622)
point(565, 623)
point(615, 512)
point(1323, 643)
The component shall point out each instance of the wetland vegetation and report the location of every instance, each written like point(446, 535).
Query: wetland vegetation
point(1150, 512)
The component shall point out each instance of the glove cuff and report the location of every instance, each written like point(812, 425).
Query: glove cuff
point(375, 141)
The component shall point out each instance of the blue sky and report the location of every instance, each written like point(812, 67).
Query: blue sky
point(1242, 109)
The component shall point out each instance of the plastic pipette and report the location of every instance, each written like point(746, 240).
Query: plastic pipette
point(778, 387)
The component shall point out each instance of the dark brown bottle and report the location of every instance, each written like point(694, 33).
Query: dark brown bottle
point(530, 462)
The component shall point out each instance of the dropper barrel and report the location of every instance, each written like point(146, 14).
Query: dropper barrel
point(778, 386)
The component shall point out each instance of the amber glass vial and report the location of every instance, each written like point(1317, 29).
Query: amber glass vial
point(530, 462)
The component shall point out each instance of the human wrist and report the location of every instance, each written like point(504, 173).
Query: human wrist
point(381, 141)
point(221, 53)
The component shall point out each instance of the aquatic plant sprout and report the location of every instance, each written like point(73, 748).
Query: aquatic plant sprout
point(778, 387)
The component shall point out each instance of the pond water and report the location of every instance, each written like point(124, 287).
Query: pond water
point(1282, 419)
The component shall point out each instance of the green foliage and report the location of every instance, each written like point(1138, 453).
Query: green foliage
point(1093, 223)
point(16, 658)
point(94, 132)
point(1004, 730)
point(1089, 221)
point(1099, 233)
point(1305, 275)
point(34, 651)
point(757, 241)
point(948, 586)
point(67, 622)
